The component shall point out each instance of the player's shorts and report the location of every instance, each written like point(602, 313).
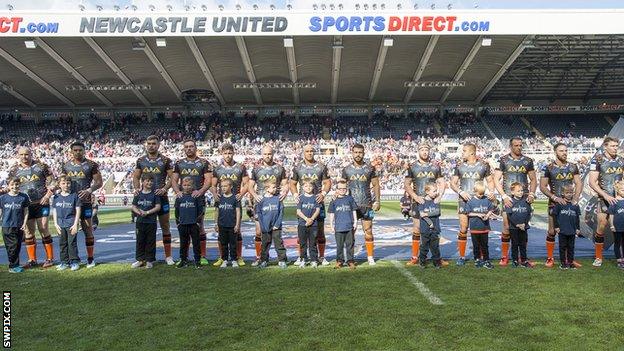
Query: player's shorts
point(164, 205)
point(461, 206)
point(86, 211)
point(365, 213)
point(38, 211)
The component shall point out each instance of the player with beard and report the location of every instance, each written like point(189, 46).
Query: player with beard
point(555, 176)
point(466, 174)
point(312, 170)
point(605, 169)
point(419, 174)
point(267, 169)
point(361, 177)
point(161, 169)
point(200, 171)
point(36, 181)
point(513, 167)
point(237, 173)
point(85, 178)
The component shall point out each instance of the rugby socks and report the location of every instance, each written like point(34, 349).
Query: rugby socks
point(415, 245)
point(298, 248)
point(258, 246)
point(370, 247)
point(320, 242)
point(167, 244)
point(598, 245)
point(31, 248)
point(89, 242)
point(239, 246)
point(550, 246)
point(504, 247)
point(202, 244)
point(49, 247)
point(462, 239)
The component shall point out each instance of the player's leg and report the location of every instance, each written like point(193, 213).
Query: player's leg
point(367, 227)
point(48, 244)
point(321, 241)
point(415, 242)
point(165, 227)
point(257, 243)
point(31, 243)
point(87, 228)
point(462, 235)
point(550, 240)
point(603, 219)
point(505, 239)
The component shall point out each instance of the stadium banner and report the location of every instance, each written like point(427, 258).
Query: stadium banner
point(293, 23)
point(552, 108)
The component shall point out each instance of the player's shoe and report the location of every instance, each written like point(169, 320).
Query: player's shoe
point(527, 264)
point(324, 262)
point(576, 264)
point(371, 261)
point(170, 261)
point(239, 262)
point(149, 265)
point(74, 266)
point(223, 264)
point(17, 269)
point(255, 263)
point(620, 265)
point(412, 262)
point(283, 264)
point(504, 261)
point(30, 265)
point(563, 266)
point(488, 265)
point(479, 263)
point(47, 264)
point(61, 267)
point(515, 264)
point(137, 264)
point(597, 262)
point(217, 263)
point(460, 262)
point(204, 261)
point(235, 264)
point(438, 264)
point(550, 262)
point(197, 264)
point(351, 265)
point(91, 264)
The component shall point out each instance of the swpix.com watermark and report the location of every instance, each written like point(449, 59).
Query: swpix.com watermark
point(6, 318)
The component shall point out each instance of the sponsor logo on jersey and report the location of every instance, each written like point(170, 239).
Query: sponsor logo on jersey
point(232, 177)
point(155, 170)
point(564, 176)
point(189, 204)
point(471, 175)
point(425, 175)
point(189, 172)
point(359, 177)
point(29, 178)
point(614, 170)
point(76, 174)
point(517, 169)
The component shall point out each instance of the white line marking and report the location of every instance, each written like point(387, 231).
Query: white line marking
point(424, 291)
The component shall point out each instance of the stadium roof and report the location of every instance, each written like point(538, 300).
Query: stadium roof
point(345, 70)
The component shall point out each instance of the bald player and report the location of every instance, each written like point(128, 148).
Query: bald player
point(466, 174)
point(605, 169)
point(85, 179)
point(419, 174)
point(161, 168)
point(200, 171)
point(555, 176)
point(361, 177)
point(237, 173)
point(513, 167)
point(36, 180)
point(267, 169)
point(312, 170)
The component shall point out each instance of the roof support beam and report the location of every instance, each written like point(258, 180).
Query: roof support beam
point(292, 71)
point(79, 77)
point(205, 70)
point(17, 95)
point(111, 64)
point(242, 49)
point(381, 58)
point(464, 66)
point(424, 61)
point(335, 74)
point(12, 60)
point(514, 55)
point(161, 69)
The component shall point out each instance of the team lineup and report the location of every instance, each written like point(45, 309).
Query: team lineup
point(507, 192)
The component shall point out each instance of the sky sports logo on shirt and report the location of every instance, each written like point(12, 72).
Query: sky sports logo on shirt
point(269, 207)
point(189, 204)
point(308, 206)
point(224, 206)
point(12, 206)
point(519, 210)
point(568, 212)
point(17, 25)
point(64, 204)
point(343, 208)
point(396, 24)
point(145, 203)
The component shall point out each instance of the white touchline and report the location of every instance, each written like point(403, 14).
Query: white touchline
point(434, 300)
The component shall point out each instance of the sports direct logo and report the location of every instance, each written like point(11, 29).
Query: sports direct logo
point(16, 25)
point(396, 24)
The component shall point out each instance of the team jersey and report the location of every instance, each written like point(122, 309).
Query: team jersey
point(32, 179)
point(559, 176)
point(421, 174)
point(515, 170)
point(236, 172)
point(195, 169)
point(263, 172)
point(157, 167)
point(359, 181)
point(316, 172)
point(81, 175)
point(470, 174)
point(609, 171)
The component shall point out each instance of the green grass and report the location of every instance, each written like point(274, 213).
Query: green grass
point(373, 308)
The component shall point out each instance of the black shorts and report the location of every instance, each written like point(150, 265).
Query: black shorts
point(365, 213)
point(164, 205)
point(38, 211)
point(86, 211)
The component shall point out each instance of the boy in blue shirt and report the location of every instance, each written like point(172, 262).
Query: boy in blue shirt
point(519, 215)
point(617, 223)
point(146, 205)
point(227, 223)
point(567, 226)
point(270, 213)
point(66, 213)
point(343, 217)
point(189, 212)
point(429, 214)
point(308, 210)
point(14, 208)
point(480, 210)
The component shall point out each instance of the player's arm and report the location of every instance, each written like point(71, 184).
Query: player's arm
point(578, 188)
point(354, 214)
point(326, 188)
point(244, 188)
point(238, 219)
point(280, 214)
point(168, 181)
point(55, 219)
point(251, 188)
point(207, 183)
point(377, 192)
point(495, 179)
point(213, 188)
point(175, 183)
point(97, 182)
point(611, 223)
point(316, 213)
point(532, 185)
point(284, 187)
point(292, 184)
point(454, 184)
point(50, 186)
point(441, 182)
point(593, 184)
point(545, 189)
point(26, 214)
point(75, 226)
point(407, 186)
point(157, 206)
point(216, 217)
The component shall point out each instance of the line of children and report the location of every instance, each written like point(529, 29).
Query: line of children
point(227, 223)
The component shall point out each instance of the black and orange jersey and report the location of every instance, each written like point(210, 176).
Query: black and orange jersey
point(235, 172)
point(32, 179)
point(610, 170)
point(559, 176)
point(81, 175)
point(359, 181)
point(422, 173)
point(195, 169)
point(515, 170)
point(157, 167)
point(470, 174)
point(316, 173)
point(263, 172)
